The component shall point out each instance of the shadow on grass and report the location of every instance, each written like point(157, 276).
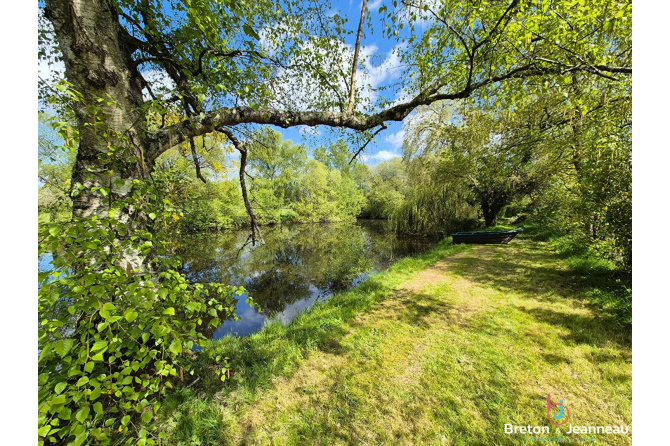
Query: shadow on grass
point(536, 271)
point(419, 310)
point(256, 361)
point(583, 329)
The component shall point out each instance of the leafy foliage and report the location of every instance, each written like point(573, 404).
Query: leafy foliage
point(113, 340)
point(385, 188)
point(284, 185)
point(54, 169)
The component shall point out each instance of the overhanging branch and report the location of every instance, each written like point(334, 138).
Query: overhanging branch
point(206, 123)
point(367, 142)
point(242, 148)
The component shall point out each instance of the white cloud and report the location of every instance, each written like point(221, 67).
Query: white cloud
point(298, 90)
point(382, 155)
point(396, 139)
point(388, 70)
point(385, 155)
point(374, 4)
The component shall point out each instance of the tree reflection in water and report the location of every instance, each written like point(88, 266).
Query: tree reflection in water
point(298, 265)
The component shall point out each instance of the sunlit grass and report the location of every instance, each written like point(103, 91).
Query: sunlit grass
point(444, 348)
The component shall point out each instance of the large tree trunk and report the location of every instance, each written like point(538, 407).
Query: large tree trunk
point(98, 64)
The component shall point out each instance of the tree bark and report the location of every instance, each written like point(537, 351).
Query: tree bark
point(110, 120)
point(98, 64)
point(490, 216)
point(354, 64)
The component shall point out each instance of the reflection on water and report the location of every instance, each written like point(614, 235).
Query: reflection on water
point(298, 265)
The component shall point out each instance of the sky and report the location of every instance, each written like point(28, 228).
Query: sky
point(381, 68)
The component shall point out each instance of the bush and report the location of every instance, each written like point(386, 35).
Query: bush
point(113, 339)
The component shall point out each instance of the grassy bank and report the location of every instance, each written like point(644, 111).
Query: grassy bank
point(444, 348)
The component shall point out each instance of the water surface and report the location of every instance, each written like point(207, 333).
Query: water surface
point(298, 265)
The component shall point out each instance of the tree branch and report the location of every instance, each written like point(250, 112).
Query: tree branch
point(241, 147)
point(383, 127)
point(229, 116)
point(194, 153)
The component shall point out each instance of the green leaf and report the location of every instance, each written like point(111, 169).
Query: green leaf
point(175, 347)
point(99, 345)
point(130, 315)
point(97, 407)
point(65, 413)
point(152, 216)
point(82, 414)
point(147, 416)
point(169, 311)
point(45, 351)
point(83, 380)
point(95, 394)
point(80, 438)
point(249, 31)
point(60, 387)
point(63, 346)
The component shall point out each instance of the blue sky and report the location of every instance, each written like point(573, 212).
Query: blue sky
point(381, 69)
point(388, 143)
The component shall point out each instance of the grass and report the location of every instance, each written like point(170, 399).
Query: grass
point(444, 348)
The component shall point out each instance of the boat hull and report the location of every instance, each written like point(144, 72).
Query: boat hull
point(485, 238)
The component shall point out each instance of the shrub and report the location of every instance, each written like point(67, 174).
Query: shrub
point(113, 339)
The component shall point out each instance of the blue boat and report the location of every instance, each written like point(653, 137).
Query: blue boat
point(485, 238)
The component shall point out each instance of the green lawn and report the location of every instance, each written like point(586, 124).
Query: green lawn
point(445, 348)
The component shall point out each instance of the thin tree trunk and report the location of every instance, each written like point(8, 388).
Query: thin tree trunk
point(354, 65)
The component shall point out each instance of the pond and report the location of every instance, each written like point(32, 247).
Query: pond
point(298, 266)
